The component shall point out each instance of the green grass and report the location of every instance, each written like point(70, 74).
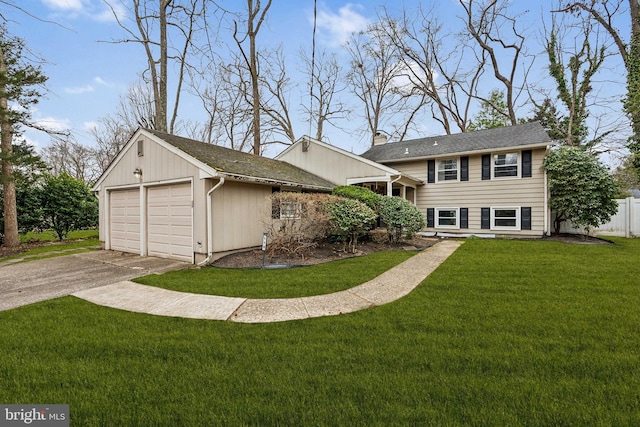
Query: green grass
point(52, 249)
point(50, 236)
point(503, 333)
point(279, 283)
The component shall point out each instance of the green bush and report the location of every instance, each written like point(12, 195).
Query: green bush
point(361, 194)
point(401, 217)
point(352, 219)
point(67, 204)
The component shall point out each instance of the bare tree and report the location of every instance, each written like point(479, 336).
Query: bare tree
point(486, 24)
point(377, 78)
point(136, 108)
point(274, 102)
point(255, 17)
point(65, 155)
point(434, 69)
point(325, 84)
point(176, 23)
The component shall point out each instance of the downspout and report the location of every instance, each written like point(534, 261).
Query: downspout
point(546, 229)
point(209, 220)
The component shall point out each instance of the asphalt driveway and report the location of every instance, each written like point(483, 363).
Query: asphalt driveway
point(34, 281)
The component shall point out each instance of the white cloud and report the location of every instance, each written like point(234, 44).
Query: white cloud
point(63, 4)
point(96, 10)
point(89, 126)
point(341, 25)
point(54, 124)
point(79, 89)
point(102, 82)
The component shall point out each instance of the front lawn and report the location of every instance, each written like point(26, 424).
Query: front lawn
point(279, 283)
point(503, 333)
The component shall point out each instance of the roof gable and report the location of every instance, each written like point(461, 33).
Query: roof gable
point(517, 136)
point(244, 166)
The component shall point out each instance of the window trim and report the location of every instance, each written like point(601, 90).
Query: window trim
point(437, 169)
point(290, 210)
point(436, 218)
point(518, 174)
point(517, 217)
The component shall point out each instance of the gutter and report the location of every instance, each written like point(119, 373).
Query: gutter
point(209, 220)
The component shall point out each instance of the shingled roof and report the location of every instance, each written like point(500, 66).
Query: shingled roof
point(245, 166)
point(525, 135)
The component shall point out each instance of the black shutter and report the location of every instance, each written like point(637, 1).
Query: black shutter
point(486, 166)
point(526, 164)
point(430, 217)
point(485, 218)
point(525, 218)
point(464, 168)
point(464, 217)
point(431, 171)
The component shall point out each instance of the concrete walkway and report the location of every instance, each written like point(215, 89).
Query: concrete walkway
point(389, 286)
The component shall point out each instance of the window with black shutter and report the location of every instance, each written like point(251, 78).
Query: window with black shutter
point(431, 171)
point(430, 217)
point(485, 218)
point(525, 218)
point(526, 163)
point(464, 168)
point(486, 166)
point(464, 217)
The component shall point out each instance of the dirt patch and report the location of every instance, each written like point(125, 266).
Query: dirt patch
point(324, 252)
point(579, 239)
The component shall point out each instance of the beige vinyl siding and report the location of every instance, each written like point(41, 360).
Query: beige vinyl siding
point(476, 193)
point(238, 211)
point(329, 164)
point(159, 166)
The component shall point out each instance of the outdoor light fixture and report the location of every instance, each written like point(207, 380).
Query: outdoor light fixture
point(137, 173)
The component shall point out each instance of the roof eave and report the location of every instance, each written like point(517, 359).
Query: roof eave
point(258, 180)
point(467, 153)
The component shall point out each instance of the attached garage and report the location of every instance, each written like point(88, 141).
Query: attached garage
point(170, 222)
point(173, 197)
point(124, 217)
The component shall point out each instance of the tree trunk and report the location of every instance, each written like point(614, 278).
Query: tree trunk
point(161, 114)
point(11, 238)
point(255, 89)
point(632, 102)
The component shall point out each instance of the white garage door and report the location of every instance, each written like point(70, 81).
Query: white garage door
point(124, 214)
point(169, 222)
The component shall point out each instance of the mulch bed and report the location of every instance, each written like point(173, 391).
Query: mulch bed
point(323, 252)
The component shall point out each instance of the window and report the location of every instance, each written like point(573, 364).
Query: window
point(290, 210)
point(448, 170)
point(446, 217)
point(285, 209)
point(505, 218)
point(505, 165)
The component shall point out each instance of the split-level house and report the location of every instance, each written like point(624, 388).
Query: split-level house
point(488, 182)
point(174, 197)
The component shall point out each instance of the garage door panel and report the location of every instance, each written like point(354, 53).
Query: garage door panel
point(124, 218)
point(170, 221)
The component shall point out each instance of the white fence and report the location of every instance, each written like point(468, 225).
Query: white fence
point(626, 223)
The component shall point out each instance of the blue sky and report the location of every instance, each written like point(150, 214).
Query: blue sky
point(87, 73)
